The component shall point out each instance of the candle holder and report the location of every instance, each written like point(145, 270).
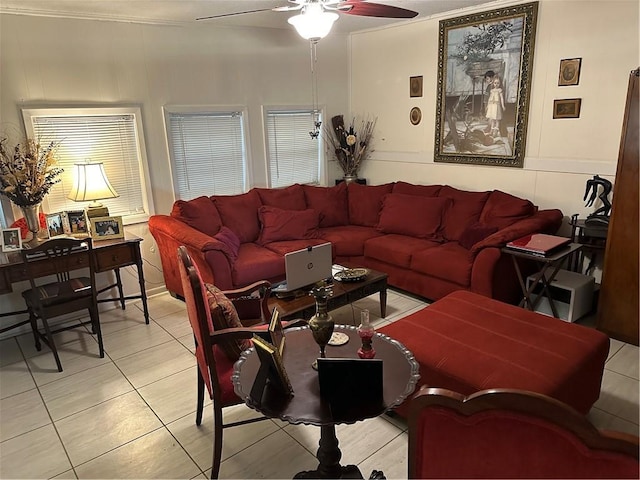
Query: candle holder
point(365, 332)
point(321, 324)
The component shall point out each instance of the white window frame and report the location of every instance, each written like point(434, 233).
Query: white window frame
point(145, 183)
point(213, 109)
point(322, 164)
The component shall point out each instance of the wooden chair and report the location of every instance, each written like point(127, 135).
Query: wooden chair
point(214, 366)
point(505, 433)
point(68, 294)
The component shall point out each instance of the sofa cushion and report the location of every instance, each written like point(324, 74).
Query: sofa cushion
point(199, 213)
point(287, 246)
point(240, 214)
point(256, 263)
point(411, 189)
point(448, 261)
point(348, 241)
point(412, 215)
point(278, 224)
point(466, 209)
point(288, 198)
point(474, 233)
point(365, 202)
point(503, 209)
point(329, 202)
point(224, 315)
point(230, 242)
point(395, 249)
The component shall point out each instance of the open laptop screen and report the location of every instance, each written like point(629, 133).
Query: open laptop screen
point(307, 266)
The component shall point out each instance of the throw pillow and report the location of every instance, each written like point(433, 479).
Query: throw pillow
point(365, 202)
point(474, 233)
point(199, 213)
point(224, 315)
point(330, 203)
point(230, 242)
point(289, 198)
point(465, 209)
point(278, 224)
point(413, 215)
point(240, 214)
point(503, 209)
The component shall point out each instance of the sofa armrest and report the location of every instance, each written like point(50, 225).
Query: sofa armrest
point(543, 221)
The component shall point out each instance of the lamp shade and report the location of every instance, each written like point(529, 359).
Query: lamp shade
point(313, 23)
point(90, 183)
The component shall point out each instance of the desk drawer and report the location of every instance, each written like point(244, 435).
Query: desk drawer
point(114, 257)
point(44, 268)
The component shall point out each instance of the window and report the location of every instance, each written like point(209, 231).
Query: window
point(109, 135)
point(208, 152)
point(292, 155)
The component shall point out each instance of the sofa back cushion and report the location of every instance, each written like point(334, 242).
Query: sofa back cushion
point(502, 210)
point(240, 214)
point(465, 210)
point(413, 215)
point(278, 224)
point(474, 233)
point(288, 198)
point(411, 189)
point(365, 202)
point(199, 213)
point(330, 203)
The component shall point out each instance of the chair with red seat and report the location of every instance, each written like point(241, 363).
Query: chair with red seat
point(506, 433)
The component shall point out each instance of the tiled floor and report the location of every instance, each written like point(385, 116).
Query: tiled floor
point(131, 414)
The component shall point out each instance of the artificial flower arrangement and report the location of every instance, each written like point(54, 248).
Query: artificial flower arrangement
point(350, 145)
point(28, 171)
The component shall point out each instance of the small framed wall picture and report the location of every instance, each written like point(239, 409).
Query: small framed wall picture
point(569, 72)
point(415, 86)
point(567, 108)
point(105, 228)
point(54, 225)
point(77, 222)
point(11, 240)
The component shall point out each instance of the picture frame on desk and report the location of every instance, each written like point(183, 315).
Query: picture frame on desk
point(11, 240)
point(55, 226)
point(77, 223)
point(106, 228)
point(276, 332)
point(272, 368)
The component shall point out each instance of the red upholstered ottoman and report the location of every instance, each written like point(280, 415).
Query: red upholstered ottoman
point(467, 342)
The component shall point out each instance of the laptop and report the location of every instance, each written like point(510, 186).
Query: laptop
point(538, 244)
point(305, 267)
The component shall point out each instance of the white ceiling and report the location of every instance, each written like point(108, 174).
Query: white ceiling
point(186, 11)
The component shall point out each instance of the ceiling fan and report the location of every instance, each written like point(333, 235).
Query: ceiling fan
point(317, 16)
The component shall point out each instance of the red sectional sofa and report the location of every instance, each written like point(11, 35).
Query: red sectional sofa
point(430, 239)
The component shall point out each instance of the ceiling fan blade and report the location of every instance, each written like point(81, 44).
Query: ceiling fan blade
point(368, 9)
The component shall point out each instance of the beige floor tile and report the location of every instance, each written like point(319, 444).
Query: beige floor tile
point(198, 440)
point(392, 459)
point(96, 430)
point(176, 324)
point(117, 319)
point(619, 396)
point(155, 363)
point(396, 420)
point(83, 390)
point(161, 305)
point(10, 352)
point(187, 341)
point(614, 346)
point(155, 455)
point(625, 361)
point(68, 475)
point(134, 339)
point(15, 378)
point(22, 413)
point(75, 335)
point(37, 454)
point(174, 396)
point(605, 421)
point(277, 456)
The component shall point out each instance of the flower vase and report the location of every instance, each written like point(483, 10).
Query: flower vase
point(350, 178)
point(321, 324)
point(31, 215)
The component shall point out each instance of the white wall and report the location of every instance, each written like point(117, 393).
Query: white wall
point(61, 62)
point(561, 155)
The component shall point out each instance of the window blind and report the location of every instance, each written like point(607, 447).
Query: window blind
point(110, 139)
point(293, 156)
point(208, 153)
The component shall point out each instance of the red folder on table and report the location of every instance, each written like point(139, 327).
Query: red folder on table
point(538, 244)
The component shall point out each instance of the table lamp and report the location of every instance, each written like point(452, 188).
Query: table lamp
point(91, 184)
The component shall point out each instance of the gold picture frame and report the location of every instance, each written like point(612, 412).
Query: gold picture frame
point(567, 108)
point(569, 73)
point(415, 86)
point(276, 331)
point(272, 366)
point(106, 228)
point(485, 64)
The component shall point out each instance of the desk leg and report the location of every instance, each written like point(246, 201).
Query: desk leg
point(143, 292)
point(329, 458)
point(383, 302)
point(119, 285)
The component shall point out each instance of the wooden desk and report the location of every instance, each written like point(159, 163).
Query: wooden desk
point(110, 255)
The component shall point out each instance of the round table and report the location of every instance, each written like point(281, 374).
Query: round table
point(400, 375)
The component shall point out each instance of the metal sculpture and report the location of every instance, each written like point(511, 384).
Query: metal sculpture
point(601, 215)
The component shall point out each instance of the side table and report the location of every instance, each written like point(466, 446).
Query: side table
point(551, 262)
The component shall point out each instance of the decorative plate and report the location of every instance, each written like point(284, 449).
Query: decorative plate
point(351, 274)
point(338, 338)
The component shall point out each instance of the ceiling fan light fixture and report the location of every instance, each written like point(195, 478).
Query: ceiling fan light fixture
point(313, 23)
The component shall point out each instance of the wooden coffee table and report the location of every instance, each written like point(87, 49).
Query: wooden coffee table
point(344, 293)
